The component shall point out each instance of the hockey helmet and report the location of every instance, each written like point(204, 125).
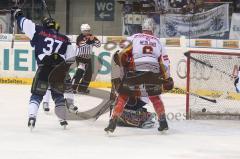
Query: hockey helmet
point(50, 23)
point(85, 28)
point(148, 25)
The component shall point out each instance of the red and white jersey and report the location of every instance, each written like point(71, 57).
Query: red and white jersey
point(147, 51)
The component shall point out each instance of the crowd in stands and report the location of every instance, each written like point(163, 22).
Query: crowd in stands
point(173, 6)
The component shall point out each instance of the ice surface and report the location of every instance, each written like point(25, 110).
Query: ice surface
point(86, 139)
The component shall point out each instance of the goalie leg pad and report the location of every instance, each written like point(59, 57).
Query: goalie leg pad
point(137, 118)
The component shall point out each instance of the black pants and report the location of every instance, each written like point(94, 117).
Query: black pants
point(84, 76)
point(132, 80)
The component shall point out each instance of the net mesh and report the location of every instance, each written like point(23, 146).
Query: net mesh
point(213, 79)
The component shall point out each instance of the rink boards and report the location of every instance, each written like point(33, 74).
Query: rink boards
point(17, 66)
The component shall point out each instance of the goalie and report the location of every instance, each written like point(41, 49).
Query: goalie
point(144, 64)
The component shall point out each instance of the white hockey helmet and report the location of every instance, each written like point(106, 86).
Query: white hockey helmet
point(85, 28)
point(148, 25)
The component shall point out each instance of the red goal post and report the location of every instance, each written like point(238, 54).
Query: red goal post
point(210, 90)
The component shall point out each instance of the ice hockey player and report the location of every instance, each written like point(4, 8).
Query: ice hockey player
point(51, 48)
point(85, 43)
point(145, 57)
point(134, 113)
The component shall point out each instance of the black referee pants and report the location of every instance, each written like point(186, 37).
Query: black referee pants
point(83, 78)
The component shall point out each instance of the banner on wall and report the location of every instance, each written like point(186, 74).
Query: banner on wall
point(210, 22)
point(235, 27)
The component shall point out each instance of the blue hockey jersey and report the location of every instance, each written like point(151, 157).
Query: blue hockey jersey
point(46, 41)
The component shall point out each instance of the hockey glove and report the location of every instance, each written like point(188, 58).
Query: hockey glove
point(168, 84)
point(16, 12)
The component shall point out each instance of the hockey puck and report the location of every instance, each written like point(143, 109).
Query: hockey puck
point(204, 110)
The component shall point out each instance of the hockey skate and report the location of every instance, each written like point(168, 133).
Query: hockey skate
point(72, 108)
point(64, 124)
point(46, 107)
point(163, 125)
point(112, 125)
point(31, 123)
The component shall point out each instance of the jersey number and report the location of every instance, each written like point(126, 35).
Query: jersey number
point(50, 42)
point(147, 50)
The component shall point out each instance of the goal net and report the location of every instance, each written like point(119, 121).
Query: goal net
point(211, 93)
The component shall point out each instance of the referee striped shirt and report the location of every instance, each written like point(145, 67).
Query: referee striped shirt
point(85, 47)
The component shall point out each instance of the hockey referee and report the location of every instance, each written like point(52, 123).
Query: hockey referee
point(85, 43)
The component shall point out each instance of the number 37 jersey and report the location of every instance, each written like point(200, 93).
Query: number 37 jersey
point(46, 41)
point(147, 51)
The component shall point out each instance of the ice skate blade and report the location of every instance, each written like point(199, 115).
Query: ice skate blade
point(31, 128)
point(164, 132)
point(31, 125)
point(109, 133)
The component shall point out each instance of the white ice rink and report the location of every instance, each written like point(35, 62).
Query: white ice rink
point(86, 139)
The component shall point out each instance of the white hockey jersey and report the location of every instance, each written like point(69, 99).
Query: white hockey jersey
point(147, 51)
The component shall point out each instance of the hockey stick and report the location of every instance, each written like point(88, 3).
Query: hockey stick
point(46, 7)
point(198, 96)
point(105, 108)
point(187, 54)
point(13, 28)
point(13, 22)
point(193, 94)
